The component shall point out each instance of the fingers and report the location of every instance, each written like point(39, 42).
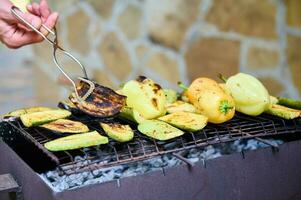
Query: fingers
point(50, 22)
point(35, 21)
point(20, 38)
point(44, 9)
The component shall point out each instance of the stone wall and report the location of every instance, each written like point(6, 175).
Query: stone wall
point(172, 40)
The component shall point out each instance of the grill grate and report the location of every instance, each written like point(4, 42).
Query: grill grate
point(142, 147)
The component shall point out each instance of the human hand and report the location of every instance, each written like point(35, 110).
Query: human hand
point(14, 34)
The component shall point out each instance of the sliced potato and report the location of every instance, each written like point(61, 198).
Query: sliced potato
point(118, 132)
point(180, 106)
point(186, 121)
point(38, 118)
point(76, 141)
point(159, 130)
point(66, 126)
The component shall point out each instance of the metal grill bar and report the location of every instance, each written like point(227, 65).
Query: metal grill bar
point(142, 147)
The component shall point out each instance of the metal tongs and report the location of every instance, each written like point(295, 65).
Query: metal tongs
point(55, 45)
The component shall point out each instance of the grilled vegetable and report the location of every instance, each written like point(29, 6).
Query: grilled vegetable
point(76, 141)
point(283, 112)
point(170, 95)
point(146, 97)
point(180, 106)
point(66, 126)
point(159, 130)
point(118, 132)
point(38, 118)
point(186, 121)
point(273, 100)
point(131, 114)
point(288, 102)
point(18, 113)
point(250, 96)
point(103, 102)
point(211, 100)
point(68, 105)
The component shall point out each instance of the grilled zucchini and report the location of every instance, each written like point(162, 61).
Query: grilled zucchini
point(66, 126)
point(76, 141)
point(118, 132)
point(170, 95)
point(159, 130)
point(283, 112)
point(186, 121)
point(19, 112)
point(38, 118)
point(131, 114)
point(288, 102)
point(180, 106)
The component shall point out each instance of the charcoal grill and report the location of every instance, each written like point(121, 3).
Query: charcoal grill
point(142, 147)
point(28, 144)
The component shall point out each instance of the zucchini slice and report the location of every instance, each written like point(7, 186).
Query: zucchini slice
point(283, 112)
point(76, 141)
point(288, 102)
point(180, 106)
point(66, 126)
point(186, 121)
point(118, 132)
point(131, 114)
point(38, 118)
point(170, 95)
point(19, 112)
point(159, 130)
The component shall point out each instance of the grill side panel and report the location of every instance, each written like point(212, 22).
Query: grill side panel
point(33, 188)
point(261, 175)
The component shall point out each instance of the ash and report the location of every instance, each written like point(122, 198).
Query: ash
point(66, 182)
